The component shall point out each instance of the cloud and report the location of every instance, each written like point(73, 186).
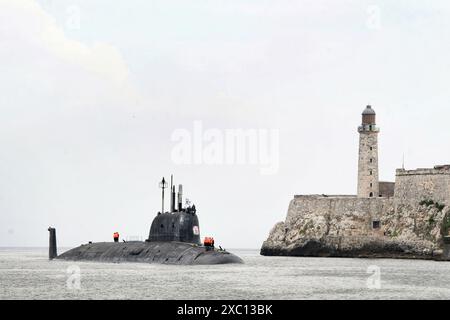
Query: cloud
point(62, 104)
point(32, 40)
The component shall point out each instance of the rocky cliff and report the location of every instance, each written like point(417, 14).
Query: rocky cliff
point(347, 226)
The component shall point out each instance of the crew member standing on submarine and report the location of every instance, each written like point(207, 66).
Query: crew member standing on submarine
point(116, 236)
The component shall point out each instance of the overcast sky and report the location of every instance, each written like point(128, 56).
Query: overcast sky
point(92, 91)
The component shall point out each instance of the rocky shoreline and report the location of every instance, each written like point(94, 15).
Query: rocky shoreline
point(318, 226)
point(367, 248)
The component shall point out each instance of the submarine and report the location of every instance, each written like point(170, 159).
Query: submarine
point(174, 238)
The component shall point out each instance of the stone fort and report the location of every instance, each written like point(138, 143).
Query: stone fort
point(406, 218)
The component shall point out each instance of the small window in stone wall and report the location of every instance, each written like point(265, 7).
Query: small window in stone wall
point(376, 224)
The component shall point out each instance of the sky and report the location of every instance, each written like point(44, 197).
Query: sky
point(97, 96)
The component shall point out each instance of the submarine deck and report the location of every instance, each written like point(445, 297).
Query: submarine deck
point(178, 253)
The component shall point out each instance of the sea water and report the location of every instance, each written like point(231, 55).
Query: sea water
point(26, 273)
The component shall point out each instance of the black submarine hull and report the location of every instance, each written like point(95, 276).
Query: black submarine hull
point(175, 253)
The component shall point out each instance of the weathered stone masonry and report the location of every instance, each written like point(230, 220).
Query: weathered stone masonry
point(411, 220)
point(368, 184)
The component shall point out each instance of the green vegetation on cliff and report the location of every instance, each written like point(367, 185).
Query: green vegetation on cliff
point(446, 224)
point(430, 202)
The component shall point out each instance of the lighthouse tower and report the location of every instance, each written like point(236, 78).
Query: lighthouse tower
point(368, 184)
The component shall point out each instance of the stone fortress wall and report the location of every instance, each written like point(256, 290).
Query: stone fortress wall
point(409, 224)
point(336, 216)
point(386, 189)
point(408, 219)
point(413, 186)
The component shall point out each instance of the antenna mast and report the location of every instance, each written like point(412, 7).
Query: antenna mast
point(163, 185)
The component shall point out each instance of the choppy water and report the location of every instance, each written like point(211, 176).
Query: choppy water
point(27, 274)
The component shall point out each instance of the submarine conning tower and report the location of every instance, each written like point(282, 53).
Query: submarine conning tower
point(180, 224)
